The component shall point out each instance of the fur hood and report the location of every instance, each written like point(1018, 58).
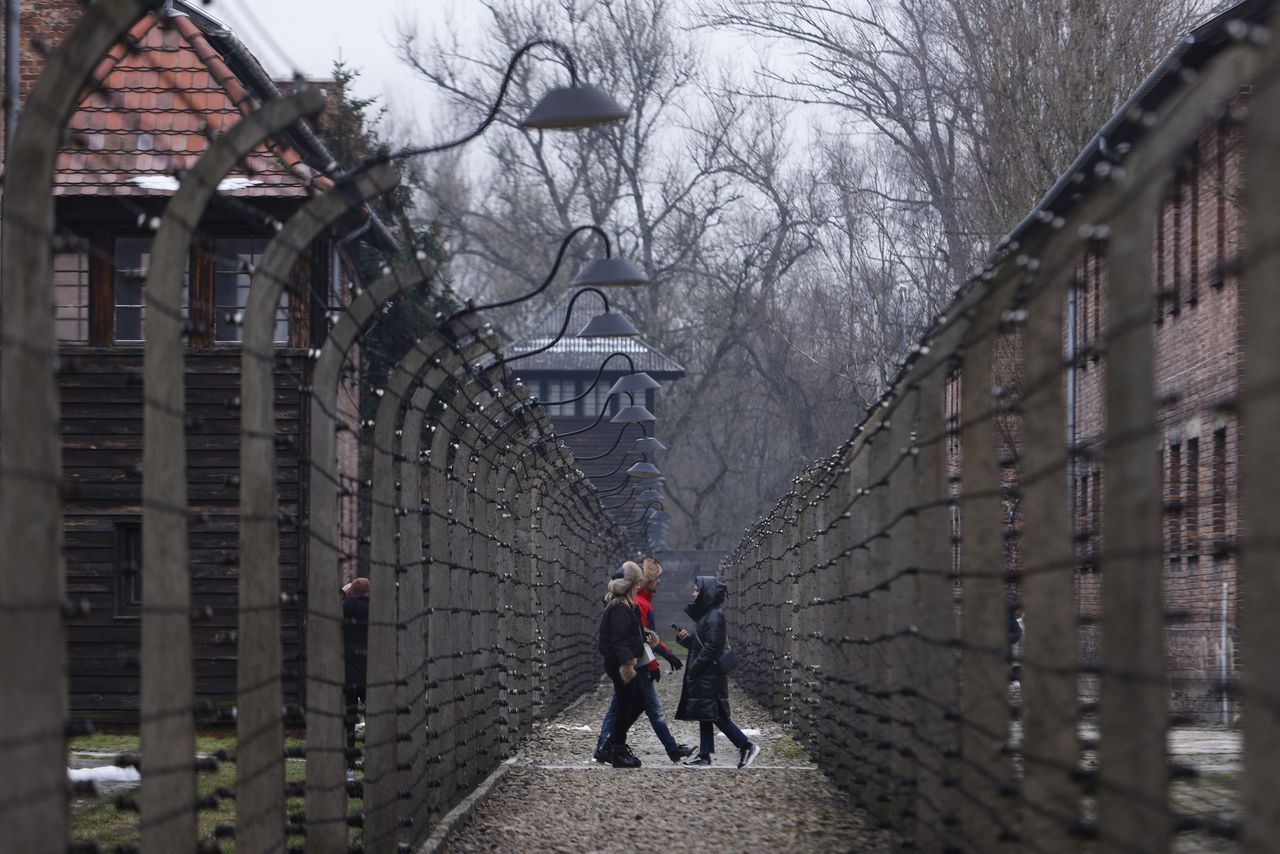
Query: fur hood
point(650, 572)
point(620, 588)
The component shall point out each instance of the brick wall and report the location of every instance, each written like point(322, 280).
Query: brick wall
point(1197, 345)
point(45, 23)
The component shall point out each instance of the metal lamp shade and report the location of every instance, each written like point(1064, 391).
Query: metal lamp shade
point(571, 107)
point(643, 470)
point(634, 383)
point(632, 414)
point(647, 445)
point(609, 273)
point(611, 324)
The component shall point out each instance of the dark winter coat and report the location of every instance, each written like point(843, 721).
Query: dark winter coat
point(621, 638)
point(704, 695)
point(355, 642)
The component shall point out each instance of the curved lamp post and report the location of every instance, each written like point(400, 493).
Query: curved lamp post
point(636, 381)
point(569, 107)
point(621, 273)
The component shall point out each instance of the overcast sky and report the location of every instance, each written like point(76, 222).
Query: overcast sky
point(308, 35)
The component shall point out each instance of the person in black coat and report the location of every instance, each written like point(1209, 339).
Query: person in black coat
point(355, 655)
point(704, 695)
point(621, 646)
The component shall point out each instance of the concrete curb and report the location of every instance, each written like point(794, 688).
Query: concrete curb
point(462, 811)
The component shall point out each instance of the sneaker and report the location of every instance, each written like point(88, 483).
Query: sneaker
point(700, 762)
point(602, 755)
point(682, 751)
point(748, 754)
point(624, 758)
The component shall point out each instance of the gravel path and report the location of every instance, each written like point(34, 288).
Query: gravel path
point(556, 798)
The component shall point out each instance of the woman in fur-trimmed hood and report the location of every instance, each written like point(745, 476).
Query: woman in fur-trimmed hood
point(621, 645)
point(704, 696)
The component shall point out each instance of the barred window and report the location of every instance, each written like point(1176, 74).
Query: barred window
point(128, 570)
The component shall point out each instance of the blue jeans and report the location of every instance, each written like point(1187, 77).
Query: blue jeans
point(652, 707)
point(728, 727)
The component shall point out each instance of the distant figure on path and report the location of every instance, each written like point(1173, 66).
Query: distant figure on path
point(355, 655)
point(704, 697)
point(621, 646)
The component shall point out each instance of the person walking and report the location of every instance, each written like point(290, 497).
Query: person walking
point(650, 575)
point(704, 695)
point(621, 646)
point(355, 655)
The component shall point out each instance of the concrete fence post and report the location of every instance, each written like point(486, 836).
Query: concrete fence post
point(259, 733)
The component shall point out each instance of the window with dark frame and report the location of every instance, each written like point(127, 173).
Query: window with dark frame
point(1191, 496)
point(1193, 228)
point(132, 260)
point(128, 566)
point(1220, 485)
point(1177, 237)
point(1161, 277)
point(234, 262)
point(1220, 200)
point(100, 300)
point(1173, 499)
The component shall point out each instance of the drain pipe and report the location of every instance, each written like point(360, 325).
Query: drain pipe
point(12, 57)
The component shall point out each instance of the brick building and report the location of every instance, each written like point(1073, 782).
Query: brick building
point(179, 78)
point(1197, 338)
point(1197, 374)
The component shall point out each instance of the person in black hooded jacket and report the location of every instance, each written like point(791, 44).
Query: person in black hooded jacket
point(704, 695)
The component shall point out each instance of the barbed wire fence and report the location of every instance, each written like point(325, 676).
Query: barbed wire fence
point(873, 604)
point(487, 543)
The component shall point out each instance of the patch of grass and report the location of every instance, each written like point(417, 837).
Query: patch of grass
point(789, 748)
point(207, 741)
point(100, 820)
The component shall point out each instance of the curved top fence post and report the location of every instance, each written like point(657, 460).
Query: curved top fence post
point(324, 637)
point(168, 736)
point(260, 755)
point(33, 804)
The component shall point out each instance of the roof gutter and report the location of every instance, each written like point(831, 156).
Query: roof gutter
point(312, 149)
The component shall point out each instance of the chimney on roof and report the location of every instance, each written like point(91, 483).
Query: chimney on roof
point(45, 23)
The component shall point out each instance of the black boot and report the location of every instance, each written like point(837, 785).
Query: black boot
point(682, 751)
point(624, 758)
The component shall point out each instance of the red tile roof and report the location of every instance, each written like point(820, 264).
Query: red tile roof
point(163, 92)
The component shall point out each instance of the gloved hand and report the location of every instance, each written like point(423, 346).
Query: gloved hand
point(655, 674)
point(675, 662)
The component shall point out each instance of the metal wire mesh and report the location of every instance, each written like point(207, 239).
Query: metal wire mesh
point(484, 539)
point(1048, 450)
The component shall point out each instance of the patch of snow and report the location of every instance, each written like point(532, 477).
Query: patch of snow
point(583, 728)
point(104, 774)
point(169, 183)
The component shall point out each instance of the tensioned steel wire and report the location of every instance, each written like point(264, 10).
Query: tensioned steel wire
point(485, 567)
point(873, 603)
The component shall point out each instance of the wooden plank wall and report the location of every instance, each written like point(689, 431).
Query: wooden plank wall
point(101, 396)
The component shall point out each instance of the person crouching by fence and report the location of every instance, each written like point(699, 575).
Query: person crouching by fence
point(704, 696)
point(622, 645)
point(651, 572)
point(355, 655)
